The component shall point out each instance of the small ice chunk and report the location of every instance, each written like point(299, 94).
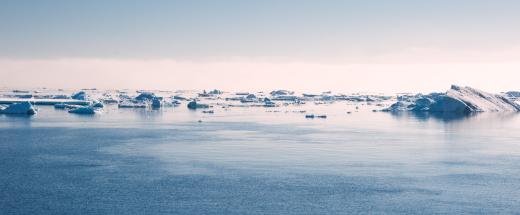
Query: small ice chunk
point(156, 103)
point(84, 110)
point(80, 96)
point(194, 105)
point(146, 96)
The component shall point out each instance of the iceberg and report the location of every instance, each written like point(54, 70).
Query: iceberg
point(80, 96)
point(194, 105)
point(19, 108)
point(456, 100)
point(281, 93)
point(312, 116)
point(216, 92)
point(83, 110)
point(269, 103)
point(98, 105)
point(66, 106)
point(146, 96)
point(127, 104)
point(156, 103)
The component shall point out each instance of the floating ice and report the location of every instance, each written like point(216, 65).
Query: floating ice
point(194, 105)
point(146, 96)
point(98, 105)
point(269, 103)
point(312, 116)
point(80, 96)
point(84, 110)
point(281, 93)
point(66, 106)
point(156, 103)
point(132, 105)
point(19, 108)
point(456, 100)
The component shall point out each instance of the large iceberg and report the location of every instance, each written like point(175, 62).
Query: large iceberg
point(457, 100)
point(19, 108)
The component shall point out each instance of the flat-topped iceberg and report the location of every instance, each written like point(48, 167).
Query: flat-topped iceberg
point(456, 100)
point(19, 108)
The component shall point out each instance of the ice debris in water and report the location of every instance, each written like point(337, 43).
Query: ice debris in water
point(80, 96)
point(146, 96)
point(312, 116)
point(19, 108)
point(456, 100)
point(194, 105)
point(156, 103)
point(88, 110)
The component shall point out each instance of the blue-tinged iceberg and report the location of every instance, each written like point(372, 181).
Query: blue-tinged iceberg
point(84, 110)
point(146, 96)
point(456, 100)
point(80, 96)
point(19, 108)
point(194, 105)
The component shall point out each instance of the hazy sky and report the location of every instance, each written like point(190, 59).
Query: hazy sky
point(365, 45)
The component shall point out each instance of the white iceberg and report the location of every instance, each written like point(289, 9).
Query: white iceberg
point(456, 100)
point(19, 108)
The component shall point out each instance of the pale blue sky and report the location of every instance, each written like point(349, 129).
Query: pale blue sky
point(370, 32)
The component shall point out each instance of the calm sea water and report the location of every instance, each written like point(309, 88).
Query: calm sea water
point(258, 161)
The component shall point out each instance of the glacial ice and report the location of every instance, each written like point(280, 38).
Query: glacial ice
point(19, 108)
point(80, 96)
point(456, 100)
point(194, 105)
point(84, 110)
point(156, 103)
point(145, 96)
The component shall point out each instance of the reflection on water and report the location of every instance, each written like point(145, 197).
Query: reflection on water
point(259, 161)
point(444, 117)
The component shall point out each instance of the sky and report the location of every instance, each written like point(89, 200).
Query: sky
point(303, 45)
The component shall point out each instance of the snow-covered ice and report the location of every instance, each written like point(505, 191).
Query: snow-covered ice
point(456, 100)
